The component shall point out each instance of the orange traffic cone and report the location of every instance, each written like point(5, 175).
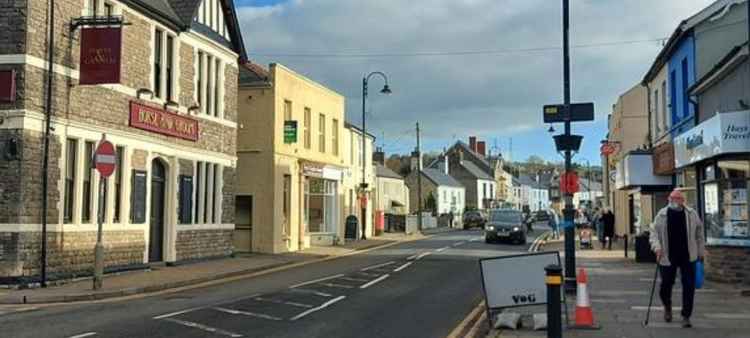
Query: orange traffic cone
point(584, 314)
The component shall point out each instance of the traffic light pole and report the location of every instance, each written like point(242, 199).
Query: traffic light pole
point(568, 212)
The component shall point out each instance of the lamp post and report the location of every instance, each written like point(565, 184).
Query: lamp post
point(363, 186)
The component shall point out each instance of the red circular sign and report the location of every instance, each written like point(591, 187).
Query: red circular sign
point(104, 158)
point(607, 149)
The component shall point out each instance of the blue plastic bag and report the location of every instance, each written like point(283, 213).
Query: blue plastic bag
point(698, 274)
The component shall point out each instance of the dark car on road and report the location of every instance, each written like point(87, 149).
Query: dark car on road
point(505, 225)
point(473, 219)
point(541, 216)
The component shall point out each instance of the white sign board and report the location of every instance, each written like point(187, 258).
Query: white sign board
point(516, 280)
point(725, 133)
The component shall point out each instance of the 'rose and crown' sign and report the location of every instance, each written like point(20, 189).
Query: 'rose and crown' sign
point(163, 122)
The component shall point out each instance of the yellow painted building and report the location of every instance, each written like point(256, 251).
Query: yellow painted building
point(290, 191)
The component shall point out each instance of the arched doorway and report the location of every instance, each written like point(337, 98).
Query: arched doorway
point(156, 225)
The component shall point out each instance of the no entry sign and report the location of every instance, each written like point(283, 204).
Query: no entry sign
point(104, 158)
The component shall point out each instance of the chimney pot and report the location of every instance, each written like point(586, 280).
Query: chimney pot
point(473, 143)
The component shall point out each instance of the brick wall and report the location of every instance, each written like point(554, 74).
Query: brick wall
point(728, 264)
point(199, 244)
point(69, 254)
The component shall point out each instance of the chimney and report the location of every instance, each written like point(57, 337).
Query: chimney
point(481, 148)
point(416, 162)
point(379, 156)
point(473, 143)
point(446, 163)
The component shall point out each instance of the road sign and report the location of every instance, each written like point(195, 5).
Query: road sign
point(104, 158)
point(516, 280)
point(554, 113)
point(607, 149)
point(569, 182)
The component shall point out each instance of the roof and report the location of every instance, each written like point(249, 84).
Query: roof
point(179, 14)
point(595, 185)
point(440, 178)
point(349, 125)
point(544, 181)
point(475, 171)
point(717, 8)
point(252, 74)
point(470, 155)
point(383, 171)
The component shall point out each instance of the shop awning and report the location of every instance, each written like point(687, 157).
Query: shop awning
point(637, 170)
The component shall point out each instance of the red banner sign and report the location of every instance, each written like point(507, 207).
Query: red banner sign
point(569, 182)
point(163, 122)
point(100, 55)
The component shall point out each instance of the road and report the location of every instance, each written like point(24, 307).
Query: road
point(414, 289)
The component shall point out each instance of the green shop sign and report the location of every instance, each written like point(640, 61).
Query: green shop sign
point(290, 132)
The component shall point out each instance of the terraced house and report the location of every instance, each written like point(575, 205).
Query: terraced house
point(159, 79)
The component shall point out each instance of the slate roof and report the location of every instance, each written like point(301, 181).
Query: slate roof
point(179, 14)
point(440, 178)
point(383, 171)
point(252, 74)
point(475, 171)
point(544, 181)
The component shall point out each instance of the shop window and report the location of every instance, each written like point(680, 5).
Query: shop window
point(321, 205)
point(306, 127)
point(70, 179)
point(87, 173)
point(120, 152)
point(726, 204)
point(186, 199)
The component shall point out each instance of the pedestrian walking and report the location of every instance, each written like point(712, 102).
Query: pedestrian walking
point(608, 228)
point(677, 239)
point(450, 218)
point(554, 223)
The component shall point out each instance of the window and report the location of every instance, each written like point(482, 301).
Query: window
point(185, 202)
point(198, 182)
point(484, 190)
point(664, 117)
point(657, 113)
point(673, 96)
point(287, 186)
point(209, 84)
point(215, 194)
point(685, 98)
point(108, 9)
point(70, 179)
point(306, 128)
point(322, 133)
point(164, 61)
point(207, 189)
point(157, 62)
point(335, 137)
point(287, 110)
point(93, 7)
point(87, 170)
point(118, 183)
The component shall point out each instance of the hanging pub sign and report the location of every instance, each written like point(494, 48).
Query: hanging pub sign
point(163, 122)
point(100, 55)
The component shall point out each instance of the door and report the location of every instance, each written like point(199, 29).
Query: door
point(156, 225)
point(243, 229)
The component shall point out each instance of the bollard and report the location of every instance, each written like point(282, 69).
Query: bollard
point(553, 280)
point(626, 245)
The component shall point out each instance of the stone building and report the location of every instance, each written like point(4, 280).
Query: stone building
point(171, 116)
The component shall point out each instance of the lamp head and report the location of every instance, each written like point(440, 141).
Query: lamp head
point(551, 129)
point(386, 90)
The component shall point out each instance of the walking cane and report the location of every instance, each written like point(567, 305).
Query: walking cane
point(651, 299)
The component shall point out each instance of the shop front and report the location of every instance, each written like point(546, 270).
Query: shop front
point(714, 162)
point(322, 204)
point(646, 189)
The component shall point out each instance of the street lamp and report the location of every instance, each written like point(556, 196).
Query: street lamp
point(386, 90)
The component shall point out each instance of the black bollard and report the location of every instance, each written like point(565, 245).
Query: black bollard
point(553, 280)
point(626, 245)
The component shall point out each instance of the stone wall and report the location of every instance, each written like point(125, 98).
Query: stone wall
point(69, 254)
point(728, 264)
point(227, 202)
point(200, 244)
point(13, 18)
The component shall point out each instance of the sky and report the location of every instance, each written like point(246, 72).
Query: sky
point(482, 67)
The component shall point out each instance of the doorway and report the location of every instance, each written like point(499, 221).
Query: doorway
point(156, 225)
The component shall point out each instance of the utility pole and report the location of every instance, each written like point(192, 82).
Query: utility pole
point(47, 127)
point(568, 212)
point(419, 181)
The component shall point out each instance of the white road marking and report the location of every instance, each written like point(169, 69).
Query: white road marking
point(334, 285)
point(442, 249)
point(204, 327)
point(369, 274)
point(354, 279)
point(402, 267)
point(87, 334)
point(321, 307)
point(283, 302)
point(377, 266)
point(373, 282)
point(245, 313)
point(423, 255)
point(475, 239)
point(312, 292)
point(177, 313)
point(744, 316)
point(412, 257)
point(608, 301)
point(620, 293)
point(459, 244)
point(654, 308)
point(315, 281)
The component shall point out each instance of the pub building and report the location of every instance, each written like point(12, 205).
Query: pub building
point(713, 159)
point(156, 78)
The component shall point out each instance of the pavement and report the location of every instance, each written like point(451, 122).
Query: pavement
point(619, 292)
point(162, 277)
point(420, 288)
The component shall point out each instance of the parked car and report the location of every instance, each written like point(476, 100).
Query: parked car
point(541, 216)
point(505, 225)
point(473, 219)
